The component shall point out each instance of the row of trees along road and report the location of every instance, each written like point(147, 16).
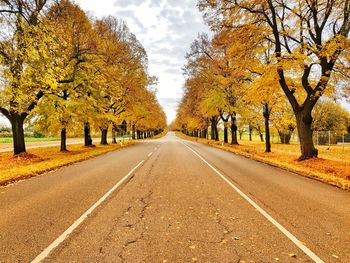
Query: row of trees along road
point(272, 57)
point(61, 70)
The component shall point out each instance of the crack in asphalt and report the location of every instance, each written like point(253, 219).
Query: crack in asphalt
point(112, 229)
point(126, 212)
point(145, 204)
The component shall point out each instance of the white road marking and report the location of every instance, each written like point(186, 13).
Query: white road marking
point(288, 234)
point(150, 154)
point(82, 218)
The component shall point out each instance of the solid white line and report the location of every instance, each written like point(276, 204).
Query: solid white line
point(288, 234)
point(150, 154)
point(81, 219)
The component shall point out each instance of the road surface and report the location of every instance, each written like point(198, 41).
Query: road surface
point(172, 200)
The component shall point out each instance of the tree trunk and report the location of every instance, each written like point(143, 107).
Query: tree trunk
point(267, 128)
point(133, 131)
point(250, 133)
point(214, 128)
point(304, 122)
point(234, 129)
point(225, 133)
point(285, 136)
point(216, 133)
point(63, 140)
point(261, 135)
point(87, 134)
point(17, 134)
point(114, 131)
point(225, 121)
point(104, 133)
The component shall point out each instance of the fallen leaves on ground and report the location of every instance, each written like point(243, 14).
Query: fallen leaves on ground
point(41, 160)
point(335, 170)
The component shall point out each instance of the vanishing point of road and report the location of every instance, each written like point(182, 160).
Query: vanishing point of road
point(171, 200)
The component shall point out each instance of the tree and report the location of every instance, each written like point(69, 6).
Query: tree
point(77, 47)
point(284, 121)
point(29, 63)
point(210, 61)
point(329, 116)
point(310, 50)
point(126, 80)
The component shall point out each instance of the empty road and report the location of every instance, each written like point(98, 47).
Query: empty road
point(171, 200)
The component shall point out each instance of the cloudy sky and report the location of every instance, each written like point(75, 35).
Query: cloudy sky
point(166, 28)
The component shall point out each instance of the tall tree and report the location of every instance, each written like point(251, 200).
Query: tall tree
point(311, 49)
point(77, 47)
point(29, 62)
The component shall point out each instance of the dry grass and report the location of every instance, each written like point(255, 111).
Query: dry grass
point(333, 152)
point(160, 135)
point(332, 167)
point(41, 160)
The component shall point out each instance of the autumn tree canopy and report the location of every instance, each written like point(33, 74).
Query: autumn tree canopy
point(276, 51)
point(63, 70)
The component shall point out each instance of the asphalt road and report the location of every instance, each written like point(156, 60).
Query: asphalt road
point(171, 200)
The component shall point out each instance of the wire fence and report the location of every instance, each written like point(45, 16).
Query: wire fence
point(331, 138)
point(320, 137)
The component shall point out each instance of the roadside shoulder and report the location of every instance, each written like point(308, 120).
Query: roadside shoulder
point(332, 172)
point(46, 159)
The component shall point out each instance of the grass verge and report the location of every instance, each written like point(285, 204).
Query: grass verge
point(46, 139)
point(41, 160)
point(160, 135)
point(334, 172)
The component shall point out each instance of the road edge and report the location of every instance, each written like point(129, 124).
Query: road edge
point(9, 182)
point(272, 164)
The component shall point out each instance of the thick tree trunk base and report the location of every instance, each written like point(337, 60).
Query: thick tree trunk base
point(104, 133)
point(307, 148)
point(64, 140)
point(87, 135)
point(90, 146)
point(225, 134)
point(267, 128)
point(314, 154)
point(234, 129)
point(26, 156)
point(18, 134)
